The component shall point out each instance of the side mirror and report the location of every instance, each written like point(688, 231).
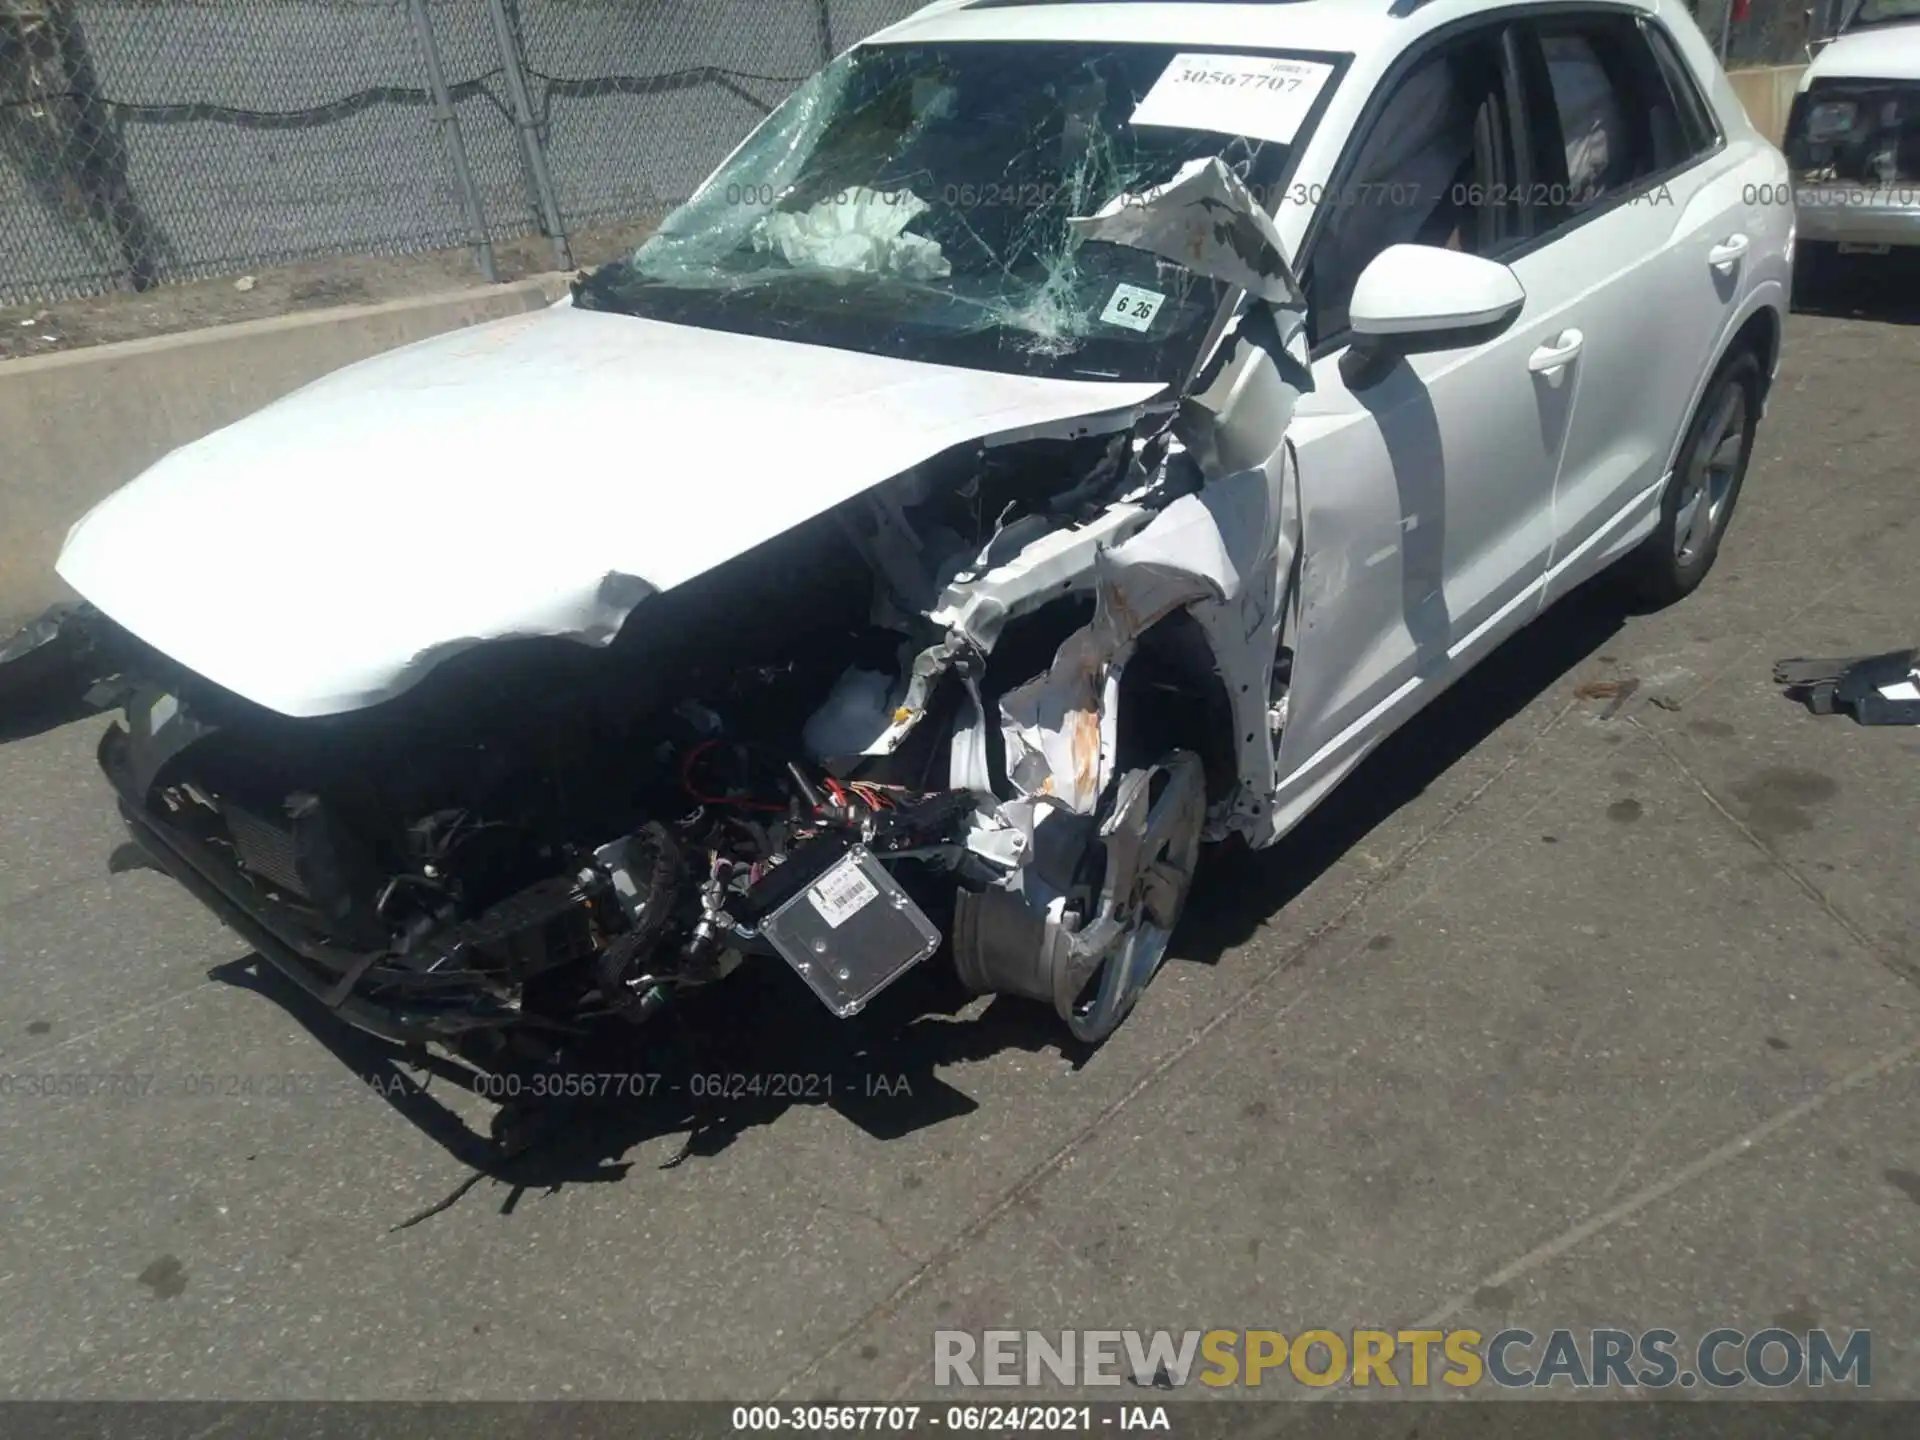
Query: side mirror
point(1424, 297)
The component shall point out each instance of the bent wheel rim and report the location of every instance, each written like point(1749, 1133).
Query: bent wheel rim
point(1147, 883)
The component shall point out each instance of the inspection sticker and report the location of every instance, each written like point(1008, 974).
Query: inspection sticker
point(1263, 97)
point(1133, 307)
point(842, 893)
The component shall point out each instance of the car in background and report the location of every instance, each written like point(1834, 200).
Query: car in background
point(1853, 139)
point(1063, 435)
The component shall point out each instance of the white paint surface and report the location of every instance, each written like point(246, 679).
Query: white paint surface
point(1891, 52)
point(539, 475)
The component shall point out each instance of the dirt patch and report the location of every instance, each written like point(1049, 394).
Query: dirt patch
point(287, 289)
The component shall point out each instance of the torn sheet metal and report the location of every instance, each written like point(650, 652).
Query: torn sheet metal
point(539, 475)
point(1206, 219)
point(1236, 413)
point(1059, 728)
point(1222, 553)
point(993, 590)
point(1214, 554)
point(1264, 97)
point(1873, 689)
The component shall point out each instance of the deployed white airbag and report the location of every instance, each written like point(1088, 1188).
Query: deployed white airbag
point(859, 230)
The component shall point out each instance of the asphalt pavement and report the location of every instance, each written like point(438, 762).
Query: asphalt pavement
point(1589, 1001)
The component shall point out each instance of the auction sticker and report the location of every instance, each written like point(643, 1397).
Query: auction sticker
point(1263, 97)
point(842, 893)
point(1133, 307)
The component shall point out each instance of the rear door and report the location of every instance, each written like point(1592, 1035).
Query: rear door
point(1640, 245)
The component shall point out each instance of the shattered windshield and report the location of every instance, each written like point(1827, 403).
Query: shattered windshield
point(913, 201)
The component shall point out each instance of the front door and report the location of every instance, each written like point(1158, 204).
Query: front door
point(1426, 489)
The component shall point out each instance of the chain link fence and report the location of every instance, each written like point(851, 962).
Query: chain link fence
point(1763, 32)
point(144, 141)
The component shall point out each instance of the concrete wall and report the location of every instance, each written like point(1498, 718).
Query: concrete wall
point(1767, 95)
point(76, 426)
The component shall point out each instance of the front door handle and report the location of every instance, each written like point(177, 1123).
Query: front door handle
point(1557, 353)
point(1724, 256)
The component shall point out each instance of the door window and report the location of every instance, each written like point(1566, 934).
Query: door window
point(1700, 131)
point(1435, 167)
point(1607, 122)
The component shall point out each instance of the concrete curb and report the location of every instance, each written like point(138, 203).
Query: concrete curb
point(77, 425)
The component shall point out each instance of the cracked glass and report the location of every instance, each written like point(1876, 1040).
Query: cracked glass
point(913, 201)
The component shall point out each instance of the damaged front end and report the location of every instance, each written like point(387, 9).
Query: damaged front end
point(1003, 696)
point(429, 894)
point(772, 760)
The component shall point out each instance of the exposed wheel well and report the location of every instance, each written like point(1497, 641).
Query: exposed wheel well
point(1760, 334)
point(1172, 697)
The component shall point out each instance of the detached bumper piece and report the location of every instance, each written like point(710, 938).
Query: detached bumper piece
point(414, 1006)
point(57, 659)
point(1873, 689)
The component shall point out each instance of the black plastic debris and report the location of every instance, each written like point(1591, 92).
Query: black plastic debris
point(1873, 689)
point(50, 666)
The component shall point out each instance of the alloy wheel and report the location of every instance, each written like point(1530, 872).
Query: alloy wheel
point(1707, 482)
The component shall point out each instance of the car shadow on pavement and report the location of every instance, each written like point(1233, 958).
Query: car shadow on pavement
point(1243, 889)
point(1882, 288)
point(741, 1055)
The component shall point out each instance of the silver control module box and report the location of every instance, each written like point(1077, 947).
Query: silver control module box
point(851, 933)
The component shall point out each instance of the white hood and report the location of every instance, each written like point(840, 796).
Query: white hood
point(539, 475)
point(1881, 52)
